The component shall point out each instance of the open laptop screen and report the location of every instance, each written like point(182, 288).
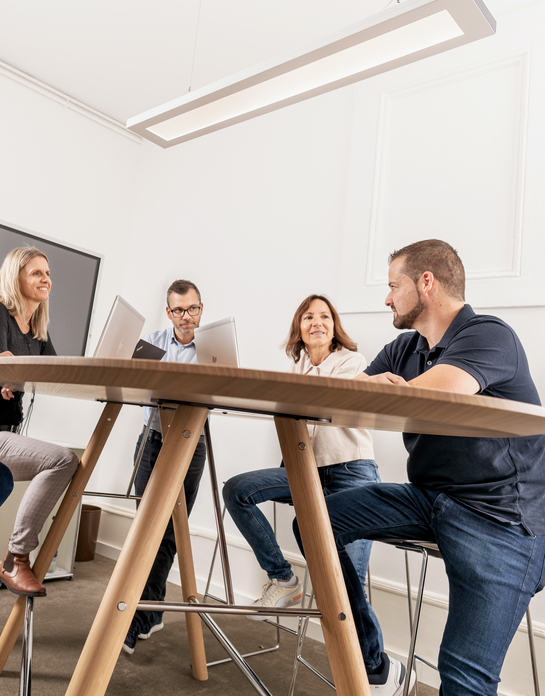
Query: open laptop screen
point(121, 331)
point(216, 343)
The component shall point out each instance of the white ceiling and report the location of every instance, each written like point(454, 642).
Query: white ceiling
point(123, 57)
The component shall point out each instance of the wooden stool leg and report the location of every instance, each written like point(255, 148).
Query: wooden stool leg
point(338, 626)
point(189, 587)
point(62, 520)
point(99, 656)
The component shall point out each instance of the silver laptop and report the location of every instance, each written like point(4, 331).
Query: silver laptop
point(121, 331)
point(216, 343)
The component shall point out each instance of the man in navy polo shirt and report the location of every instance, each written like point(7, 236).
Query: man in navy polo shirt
point(480, 499)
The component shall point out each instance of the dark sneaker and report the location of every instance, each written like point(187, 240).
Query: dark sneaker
point(130, 641)
point(156, 624)
point(390, 681)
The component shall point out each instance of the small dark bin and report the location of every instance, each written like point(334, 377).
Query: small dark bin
point(88, 532)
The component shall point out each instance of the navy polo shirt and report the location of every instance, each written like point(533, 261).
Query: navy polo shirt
point(502, 478)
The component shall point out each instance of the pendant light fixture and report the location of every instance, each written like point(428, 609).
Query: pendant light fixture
point(402, 34)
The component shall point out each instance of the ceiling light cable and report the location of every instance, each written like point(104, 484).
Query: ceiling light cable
point(195, 46)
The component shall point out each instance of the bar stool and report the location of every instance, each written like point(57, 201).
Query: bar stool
point(26, 659)
point(301, 635)
point(302, 632)
point(427, 549)
point(276, 622)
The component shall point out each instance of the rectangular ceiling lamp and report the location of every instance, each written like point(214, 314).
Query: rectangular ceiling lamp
point(404, 34)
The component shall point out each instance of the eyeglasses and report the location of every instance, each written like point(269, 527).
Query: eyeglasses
point(179, 312)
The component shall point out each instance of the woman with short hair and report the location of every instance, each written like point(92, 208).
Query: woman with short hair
point(24, 315)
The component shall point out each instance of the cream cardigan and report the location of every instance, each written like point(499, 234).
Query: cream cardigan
point(336, 445)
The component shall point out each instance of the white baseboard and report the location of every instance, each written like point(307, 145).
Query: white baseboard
point(107, 551)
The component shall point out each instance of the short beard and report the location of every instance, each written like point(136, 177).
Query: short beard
point(406, 321)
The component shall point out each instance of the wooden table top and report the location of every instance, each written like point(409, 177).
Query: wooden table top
point(346, 403)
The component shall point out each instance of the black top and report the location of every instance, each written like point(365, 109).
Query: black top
point(14, 340)
point(502, 478)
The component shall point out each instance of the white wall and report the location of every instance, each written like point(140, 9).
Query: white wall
point(266, 212)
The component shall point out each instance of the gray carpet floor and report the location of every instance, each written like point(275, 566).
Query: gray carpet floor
point(159, 666)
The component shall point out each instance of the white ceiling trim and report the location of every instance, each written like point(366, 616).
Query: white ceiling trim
point(66, 101)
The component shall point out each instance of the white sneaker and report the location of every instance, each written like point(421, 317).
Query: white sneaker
point(151, 629)
point(275, 595)
point(392, 682)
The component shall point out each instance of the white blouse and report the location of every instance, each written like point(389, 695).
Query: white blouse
point(336, 445)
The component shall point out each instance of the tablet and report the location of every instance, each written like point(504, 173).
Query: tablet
point(147, 351)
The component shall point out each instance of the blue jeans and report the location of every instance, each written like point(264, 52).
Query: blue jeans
point(6, 483)
point(244, 492)
point(493, 571)
point(156, 584)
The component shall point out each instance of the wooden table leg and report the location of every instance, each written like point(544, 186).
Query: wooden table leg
point(62, 520)
point(189, 587)
point(338, 626)
point(101, 651)
point(187, 572)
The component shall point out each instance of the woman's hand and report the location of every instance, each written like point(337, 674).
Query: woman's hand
point(7, 394)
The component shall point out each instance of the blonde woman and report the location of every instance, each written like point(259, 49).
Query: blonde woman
point(24, 314)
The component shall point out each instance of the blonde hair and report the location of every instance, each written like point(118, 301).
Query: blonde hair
point(10, 290)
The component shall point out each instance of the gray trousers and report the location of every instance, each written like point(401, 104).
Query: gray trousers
point(49, 468)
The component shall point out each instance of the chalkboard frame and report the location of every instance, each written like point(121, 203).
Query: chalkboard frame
point(75, 276)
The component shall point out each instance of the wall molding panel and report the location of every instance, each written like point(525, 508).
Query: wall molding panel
point(506, 82)
point(452, 148)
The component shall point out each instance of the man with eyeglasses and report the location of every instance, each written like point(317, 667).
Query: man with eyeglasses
point(184, 309)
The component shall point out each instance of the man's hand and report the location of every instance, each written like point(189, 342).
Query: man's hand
point(384, 378)
point(7, 354)
point(446, 377)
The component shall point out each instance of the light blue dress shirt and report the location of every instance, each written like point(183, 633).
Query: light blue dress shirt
point(175, 352)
